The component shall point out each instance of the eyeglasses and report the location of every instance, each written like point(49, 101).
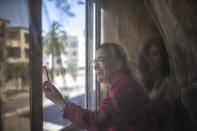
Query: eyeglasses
point(99, 61)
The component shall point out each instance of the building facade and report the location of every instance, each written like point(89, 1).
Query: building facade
point(16, 41)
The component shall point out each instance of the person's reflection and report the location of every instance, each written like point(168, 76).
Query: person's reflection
point(155, 70)
point(154, 65)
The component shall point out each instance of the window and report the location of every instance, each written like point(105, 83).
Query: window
point(80, 70)
point(13, 52)
point(14, 71)
point(12, 33)
point(74, 53)
point(26, 36)
point(26, 53)
point(73, 44)
point(66, 50)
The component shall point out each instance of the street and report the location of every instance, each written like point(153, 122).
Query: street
point(52, 117)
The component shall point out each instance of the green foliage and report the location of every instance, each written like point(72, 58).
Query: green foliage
point(57, 73)
point(18, 70)
point(54, 44)
point(55, 40)
point(70, 70)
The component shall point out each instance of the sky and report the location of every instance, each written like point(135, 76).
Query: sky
point(17, 12)
point(72, 25)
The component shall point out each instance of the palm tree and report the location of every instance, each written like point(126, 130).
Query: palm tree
point(54, 44)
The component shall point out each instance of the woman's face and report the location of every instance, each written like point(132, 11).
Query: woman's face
point(154, 58)
point(102, 65)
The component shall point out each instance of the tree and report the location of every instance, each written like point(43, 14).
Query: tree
point(65, 5)
point(54, 44)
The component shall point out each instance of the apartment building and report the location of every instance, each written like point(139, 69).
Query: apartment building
point(16, 41)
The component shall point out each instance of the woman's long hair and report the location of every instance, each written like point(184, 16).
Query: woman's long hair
point(148, 76)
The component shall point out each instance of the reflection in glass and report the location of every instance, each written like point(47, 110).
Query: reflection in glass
point(14, 66)
point(63, 55)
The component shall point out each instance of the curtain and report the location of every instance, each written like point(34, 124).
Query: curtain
point(177, 24)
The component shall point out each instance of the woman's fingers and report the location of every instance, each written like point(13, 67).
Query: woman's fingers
point(49, 90)
point(46, 89)
point(46, 86)
point(53, 94)
point(51, 86)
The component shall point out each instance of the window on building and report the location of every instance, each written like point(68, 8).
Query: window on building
point(26, 36)
point(13, 52)
point(26, 53)
point(74, 53)
point(74, 44)
point(12, 34)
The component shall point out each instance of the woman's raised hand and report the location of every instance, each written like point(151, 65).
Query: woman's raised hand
point(51, 93)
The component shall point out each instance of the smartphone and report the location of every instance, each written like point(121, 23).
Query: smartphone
point(45, 73)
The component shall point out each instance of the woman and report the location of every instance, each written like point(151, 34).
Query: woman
point(126, 106)
point(154, 64)
point(163, 92)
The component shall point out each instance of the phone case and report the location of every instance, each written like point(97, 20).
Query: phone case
point(45, 73)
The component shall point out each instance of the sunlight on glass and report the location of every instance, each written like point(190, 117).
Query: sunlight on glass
point(14, 66)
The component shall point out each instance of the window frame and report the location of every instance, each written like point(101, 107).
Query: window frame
point(93, 24)
point(89, 52)
point(35, 27)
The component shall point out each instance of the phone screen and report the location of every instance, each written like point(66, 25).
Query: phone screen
point(45, 73)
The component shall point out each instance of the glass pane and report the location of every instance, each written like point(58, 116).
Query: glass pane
point(14, 66)
point(63, 55)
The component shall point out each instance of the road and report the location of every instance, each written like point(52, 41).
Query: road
point(52, 117)
point(17, 107)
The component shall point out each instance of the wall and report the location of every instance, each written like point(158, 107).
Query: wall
point(128, 24)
